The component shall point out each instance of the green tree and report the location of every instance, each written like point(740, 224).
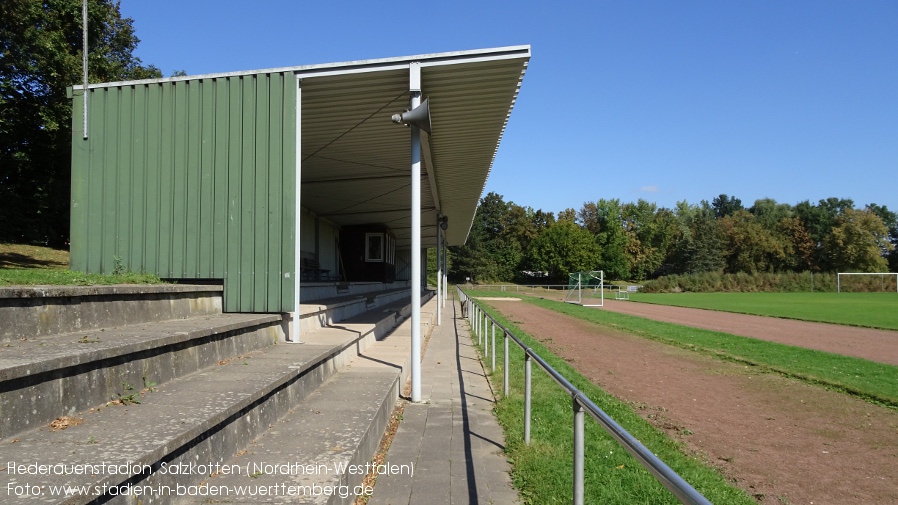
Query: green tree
point(650, 232)
point(568, 214)
point(40, 56)
point(725, 205)
point(800, 253)
point(612, 239)
point(818, 220)
point(705, 251)
point(768, 213)
point(750, 246)
point(499, 237)
point(541, 220)
point(890, 219)
point(564, 247)
point(857, 242)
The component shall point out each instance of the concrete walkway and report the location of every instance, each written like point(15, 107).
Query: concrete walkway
point(451, 438)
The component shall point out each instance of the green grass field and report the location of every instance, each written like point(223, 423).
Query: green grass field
point(871, 310)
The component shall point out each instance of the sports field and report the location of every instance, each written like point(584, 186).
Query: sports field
point(871, 310)
point(785, 423)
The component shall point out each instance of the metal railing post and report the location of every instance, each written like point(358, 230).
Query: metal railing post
point(505, 367)
point(527, 392)
point(579, 450)
point(477, 322)
point(486, 335)
point(493, 351)
point(473, 312)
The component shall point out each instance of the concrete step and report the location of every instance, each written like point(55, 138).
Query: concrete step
point(58, 375)
point(33, 311)
point(311, 292)
point(329, 311)
point(207, 417)
point(319, 453)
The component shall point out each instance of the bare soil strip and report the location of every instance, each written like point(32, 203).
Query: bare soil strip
point(781, 440)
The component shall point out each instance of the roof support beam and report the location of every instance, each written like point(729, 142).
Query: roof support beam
point(431, 171)
point(341, 180)
point(367, 212)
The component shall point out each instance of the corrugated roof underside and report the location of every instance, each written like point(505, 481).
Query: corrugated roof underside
point(355, 161)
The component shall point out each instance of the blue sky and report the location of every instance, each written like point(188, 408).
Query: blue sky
point(661, 100)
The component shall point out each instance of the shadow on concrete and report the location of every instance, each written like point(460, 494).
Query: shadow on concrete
point(466, 423)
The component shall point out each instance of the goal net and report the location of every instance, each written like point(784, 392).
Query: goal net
point(585, 288)
point(857, 282)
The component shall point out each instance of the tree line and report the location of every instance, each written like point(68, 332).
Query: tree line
point(40, 57)
point(639, 241)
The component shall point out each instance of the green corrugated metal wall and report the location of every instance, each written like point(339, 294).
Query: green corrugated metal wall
point(190, 179)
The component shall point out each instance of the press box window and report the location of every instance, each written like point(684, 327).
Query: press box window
point(374, 247)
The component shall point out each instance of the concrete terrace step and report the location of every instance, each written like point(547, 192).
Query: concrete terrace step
point(317, 453)
point(328, 311)
point(32, 311)
point(207, 416)
point(46, 377)
point(191, 418)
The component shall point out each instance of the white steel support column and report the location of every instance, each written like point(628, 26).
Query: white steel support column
point(439, 273)
point(297, 250)
point(415, 88)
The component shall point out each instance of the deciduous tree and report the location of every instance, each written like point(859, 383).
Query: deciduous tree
point(857, 241)
point(40, 55)
point(562, 248)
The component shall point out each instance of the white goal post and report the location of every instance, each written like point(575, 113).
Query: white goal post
point(883, 276)
point(586, 288)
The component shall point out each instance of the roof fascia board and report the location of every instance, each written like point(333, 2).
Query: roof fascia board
point(350, 67)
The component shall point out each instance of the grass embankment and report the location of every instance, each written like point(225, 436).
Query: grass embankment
point(543, 470)
point(871, 310)
point(31, 265)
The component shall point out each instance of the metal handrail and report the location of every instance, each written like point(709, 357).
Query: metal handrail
point(581, 403)
point(519, 287)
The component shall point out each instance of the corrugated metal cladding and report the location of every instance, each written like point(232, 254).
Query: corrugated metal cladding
point(190, 179)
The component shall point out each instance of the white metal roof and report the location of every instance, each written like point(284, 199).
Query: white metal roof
point(355, 163)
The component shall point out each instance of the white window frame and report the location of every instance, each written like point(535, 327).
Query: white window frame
point(368, 257)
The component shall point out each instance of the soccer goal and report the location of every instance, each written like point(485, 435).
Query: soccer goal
point(586, 288)
point(858, 282)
